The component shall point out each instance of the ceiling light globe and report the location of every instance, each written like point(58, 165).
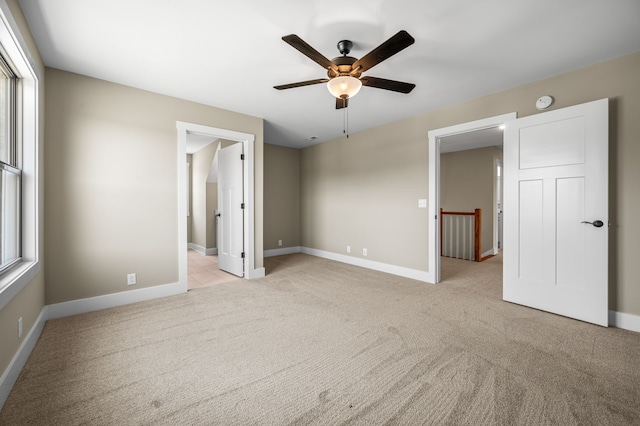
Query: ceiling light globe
point(344, 86)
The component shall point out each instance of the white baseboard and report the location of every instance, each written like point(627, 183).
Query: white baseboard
point(90, 304)
point(282, 251)
point(490, 252)
point(12, 372)
point(625, 321)
point(200, 249)
point(371, 264)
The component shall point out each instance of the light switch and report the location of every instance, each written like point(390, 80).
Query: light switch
point(422, 203)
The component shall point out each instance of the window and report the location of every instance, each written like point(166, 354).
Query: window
point(11, 174)
point(20, 195)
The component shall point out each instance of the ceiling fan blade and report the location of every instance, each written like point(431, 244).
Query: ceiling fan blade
point(383, 83)
point(342, 103)
point(395, 44)
point(304, 48)
point(301, 83)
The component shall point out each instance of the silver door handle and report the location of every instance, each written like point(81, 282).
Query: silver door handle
point(596, 223)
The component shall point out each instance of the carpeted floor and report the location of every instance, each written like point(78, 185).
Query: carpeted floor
point(318, 342)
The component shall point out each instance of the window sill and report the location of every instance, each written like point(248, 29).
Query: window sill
point(16, 279)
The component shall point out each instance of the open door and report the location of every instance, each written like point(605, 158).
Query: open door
point(230, 210)
point(556, 212)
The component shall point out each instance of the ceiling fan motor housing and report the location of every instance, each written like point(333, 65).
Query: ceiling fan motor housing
point(344, 64)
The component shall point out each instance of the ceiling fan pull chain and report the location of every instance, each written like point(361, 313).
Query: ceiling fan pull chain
point(345, 118)
point(346, 111)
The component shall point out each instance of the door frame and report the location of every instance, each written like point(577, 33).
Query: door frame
point(434, 181)
point(248, 141)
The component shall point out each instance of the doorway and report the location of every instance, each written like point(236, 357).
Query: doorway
point(436, 139)
point(248, 140)
point(204, 265)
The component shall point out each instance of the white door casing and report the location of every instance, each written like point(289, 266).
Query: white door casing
point(248, 143)
point(555, 179)
point(231, 209)
point(434, 181)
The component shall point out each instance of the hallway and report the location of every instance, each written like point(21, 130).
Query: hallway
point(203, 270)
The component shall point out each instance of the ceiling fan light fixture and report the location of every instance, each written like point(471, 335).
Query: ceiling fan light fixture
point(344, 86)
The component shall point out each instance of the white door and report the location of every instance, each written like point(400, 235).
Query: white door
point(499, 197)
point(231, 210)
point(556, 212)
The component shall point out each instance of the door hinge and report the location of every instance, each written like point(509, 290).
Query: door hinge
point(242, 255)
point(242, 156)
point(242, 206)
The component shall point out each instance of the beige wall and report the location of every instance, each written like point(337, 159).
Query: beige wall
point(468, 182)
point(111, 184)
point(282, 196)
point(28, 303)
point(363, 190)
point(203, 199)
point(212, 206)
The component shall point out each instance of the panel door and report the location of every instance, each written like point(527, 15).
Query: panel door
point(555, 198)
point(230, 206)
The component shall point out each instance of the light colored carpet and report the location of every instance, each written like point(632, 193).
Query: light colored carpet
point(320, 342)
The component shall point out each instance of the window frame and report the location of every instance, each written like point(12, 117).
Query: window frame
point(12, 164)
point(21, 61)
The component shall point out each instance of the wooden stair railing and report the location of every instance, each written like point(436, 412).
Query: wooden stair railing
point(457, 238)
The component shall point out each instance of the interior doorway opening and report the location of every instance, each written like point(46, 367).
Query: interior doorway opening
point(451, 139)
point(184, 130)
point(203, 216)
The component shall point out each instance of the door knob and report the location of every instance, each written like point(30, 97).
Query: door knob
point(596, 223)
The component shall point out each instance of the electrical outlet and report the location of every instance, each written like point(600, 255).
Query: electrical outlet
point(280, 243)
point(348, 249)
point(19, 327)
point(131, 279)
point(364, 252)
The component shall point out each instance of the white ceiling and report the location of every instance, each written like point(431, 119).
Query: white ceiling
point(492, 136)
point(196, 142)
point(229, 54)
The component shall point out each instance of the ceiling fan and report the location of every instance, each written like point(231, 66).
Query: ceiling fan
point(345, 72)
